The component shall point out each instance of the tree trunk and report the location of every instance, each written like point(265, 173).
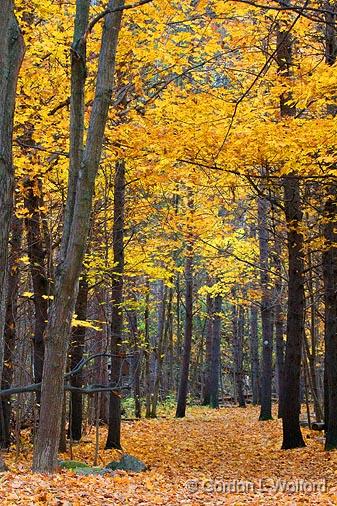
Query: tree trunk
point(216, 341)
point(159, 348)
point(254, 354)
point(147, 372)
point(329, 260)
point(311, 352)
point(237, 325)
point(292, 436)
point(136, 361)
point(73, 247)
point(76, 354)
point(36, 254)
point(114, 432)
point(184, 374)
point(266, 311)
point(10, 331)
point(279, 321)
point(11, 55)
point(208, 358)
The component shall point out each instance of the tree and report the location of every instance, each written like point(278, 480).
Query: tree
point(292, 437)
point(329, 261)
point(114, 433)
point(266, 311)
point(216, 341)
point(11, 55)
point(83, 170)
point(184, 372)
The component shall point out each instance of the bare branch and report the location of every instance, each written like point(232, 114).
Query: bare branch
point(102, 15)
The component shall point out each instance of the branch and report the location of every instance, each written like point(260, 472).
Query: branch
point(259, 75)
point(36, 387)
point(102, 15)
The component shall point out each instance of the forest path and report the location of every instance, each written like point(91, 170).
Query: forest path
point(212, 457)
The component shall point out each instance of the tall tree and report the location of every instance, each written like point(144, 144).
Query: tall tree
point(329, 260)
point(292, 436)
point(36, 253)
point(83, 166)
point(10, 330)
point(114, 432)
point(184, 372)
point(237, 348)
point(266, 310)
point(208, 354)
point(216, 342)
point(77, 346)
point(11, 55)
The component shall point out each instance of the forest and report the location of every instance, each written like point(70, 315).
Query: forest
point(168, 252)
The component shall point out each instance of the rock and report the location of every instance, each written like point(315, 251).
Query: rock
point(127, 463)
point(86, 471)
point(72, 464)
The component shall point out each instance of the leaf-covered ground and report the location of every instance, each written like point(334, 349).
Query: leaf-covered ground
point(212, 457)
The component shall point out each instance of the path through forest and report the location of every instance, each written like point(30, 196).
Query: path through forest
point(227, 450)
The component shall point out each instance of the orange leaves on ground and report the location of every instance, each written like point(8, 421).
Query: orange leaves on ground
point(191, 462)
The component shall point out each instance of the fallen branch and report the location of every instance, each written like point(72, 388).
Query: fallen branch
point(90, 389)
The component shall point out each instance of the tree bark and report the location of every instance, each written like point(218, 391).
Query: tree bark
point(114, 432)
point(36, 254)
point(76, 354)
point(11, 55)
point(208, 358)
point(278, 318)
point(184, 373)
point(329, 260)
point(254, 354)
point(73, 248)
point(237, 346)
point(215, 363)
point(136, 360)
point(266, 311)
point(292, 436)
point(10, 331)
point(159, 348)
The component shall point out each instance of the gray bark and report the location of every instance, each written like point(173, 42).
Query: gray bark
point(73, 248)
point(215, 362)
point(254, 354)
point(266, 311)
point(11, 55)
